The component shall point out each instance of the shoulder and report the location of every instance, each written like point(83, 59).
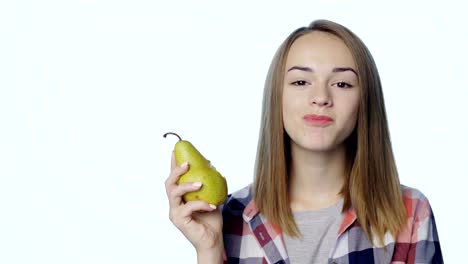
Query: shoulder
point(416, 203)
point(234, 221)
point(241, 244)
point(411, 192)
point(238, 200)
point(420, 226)
point(418, 239)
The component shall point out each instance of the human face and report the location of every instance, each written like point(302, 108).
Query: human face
point(320, 80)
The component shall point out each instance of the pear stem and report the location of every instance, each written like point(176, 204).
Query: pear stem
point(172, 133)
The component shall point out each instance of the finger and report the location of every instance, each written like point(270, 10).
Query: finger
point(171, 181)
point(189, 208)
point(173, 161)
point(175, 196)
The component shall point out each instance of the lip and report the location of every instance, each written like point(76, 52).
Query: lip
point(319, 120)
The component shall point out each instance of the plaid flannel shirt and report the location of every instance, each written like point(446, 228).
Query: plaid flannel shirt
point(249, 238)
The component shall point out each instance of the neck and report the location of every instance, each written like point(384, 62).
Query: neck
point(316, 178)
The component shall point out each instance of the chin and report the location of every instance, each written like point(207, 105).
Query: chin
point(319, 148)
point(316, 146)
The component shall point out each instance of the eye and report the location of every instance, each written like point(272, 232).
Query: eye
point(299, 83)
point(344, 85)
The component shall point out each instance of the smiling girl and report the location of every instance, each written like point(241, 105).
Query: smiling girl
point(326, 186)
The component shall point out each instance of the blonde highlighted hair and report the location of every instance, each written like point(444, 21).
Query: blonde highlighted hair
point(372, 187)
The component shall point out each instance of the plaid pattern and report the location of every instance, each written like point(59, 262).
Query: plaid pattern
point(249, 238)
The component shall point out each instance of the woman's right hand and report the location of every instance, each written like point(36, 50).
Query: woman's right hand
point(200, 222)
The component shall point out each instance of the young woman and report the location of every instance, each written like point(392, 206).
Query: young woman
point(326, 187)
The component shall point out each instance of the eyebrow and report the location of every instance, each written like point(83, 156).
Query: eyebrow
point(308, 69)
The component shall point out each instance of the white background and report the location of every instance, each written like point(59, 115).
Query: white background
point(87, 89)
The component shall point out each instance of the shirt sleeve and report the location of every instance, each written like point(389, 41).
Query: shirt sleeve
point(424, 246)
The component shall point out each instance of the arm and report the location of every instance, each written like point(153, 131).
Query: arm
point(214, 256)
point(425, 246)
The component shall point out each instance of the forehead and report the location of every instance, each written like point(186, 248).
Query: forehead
point(317, 49)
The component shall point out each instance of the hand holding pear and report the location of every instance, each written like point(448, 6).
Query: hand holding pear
point(200, 222)
point(214, 186)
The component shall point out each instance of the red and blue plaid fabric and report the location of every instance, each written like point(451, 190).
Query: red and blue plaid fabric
point(249, 238)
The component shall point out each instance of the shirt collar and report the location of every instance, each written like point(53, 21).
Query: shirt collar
point(251, 210)
point(348, 220)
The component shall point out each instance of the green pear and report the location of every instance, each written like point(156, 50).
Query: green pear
point(214, 187)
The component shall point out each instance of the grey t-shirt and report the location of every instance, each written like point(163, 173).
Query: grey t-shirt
point(319, 230)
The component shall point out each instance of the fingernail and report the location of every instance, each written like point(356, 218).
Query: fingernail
point(184, 165)
point(213, 206)
point(197, 184)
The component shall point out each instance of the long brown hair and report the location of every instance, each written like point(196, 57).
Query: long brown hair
point(372, 186)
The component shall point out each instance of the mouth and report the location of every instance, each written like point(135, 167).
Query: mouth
point(318, 120)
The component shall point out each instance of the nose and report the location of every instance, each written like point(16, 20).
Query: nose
point(320, 96)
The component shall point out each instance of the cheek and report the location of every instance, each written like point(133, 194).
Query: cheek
point(291, 102)
point(351, 115)
point(287, 107)
point(290, 112)
point(287, 113)
point(346, 106)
